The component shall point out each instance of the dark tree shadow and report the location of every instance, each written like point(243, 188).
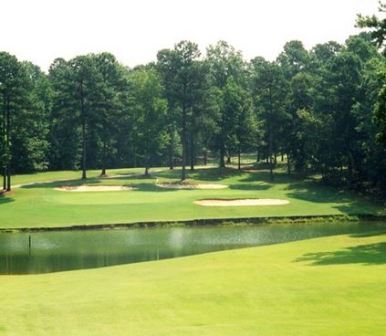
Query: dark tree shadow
point(369, 234)
point(56, 184)
point(88, 181)
point(251, 187)
point(149, 177)
point(265, 176)
point(207, 174)
point(346, 201)
point(318, 194)
point(372, 254)
point(4, 198)
point(150, 187)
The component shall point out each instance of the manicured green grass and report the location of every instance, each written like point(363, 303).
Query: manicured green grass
point(40, 205)
point(327, 286)
point(66, 175)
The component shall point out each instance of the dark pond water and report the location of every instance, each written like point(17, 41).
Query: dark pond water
point(60, 251)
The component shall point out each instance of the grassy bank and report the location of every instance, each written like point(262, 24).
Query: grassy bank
point(41, 205)
point(327, 286)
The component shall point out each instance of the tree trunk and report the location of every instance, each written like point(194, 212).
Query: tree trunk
point(8, 180)
point(288, 164)
point(222, 154)
point(229, 158)
point(104, 159)
point(84, 175)
point(205, 157)
point(83, 116)
point(184, 144)
point(192, 152)
point(270, 140)
point(134, 158)
point(147, 154)
point(4, 179)
point(171, 150)
point(8, 134)
point(3, 142)
point(239, 158)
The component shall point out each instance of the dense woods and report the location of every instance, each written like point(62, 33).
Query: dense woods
point(323, 109)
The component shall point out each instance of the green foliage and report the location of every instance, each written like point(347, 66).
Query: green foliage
point(228, 77)
point(270, 92)
point(380, 110)
point(151, 109)
point(321, 109)
point(376, 25)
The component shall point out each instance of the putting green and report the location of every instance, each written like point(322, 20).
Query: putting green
point(87, 188)
point(324, 287)
point(40, 205)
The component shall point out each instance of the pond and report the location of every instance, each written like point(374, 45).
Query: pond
point(43, 252)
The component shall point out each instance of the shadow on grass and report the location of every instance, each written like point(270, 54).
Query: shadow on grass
point(369, 234)
point(265, 176)
point(250, 187)
point(88, 181)
point(307, 189)
point(206, 174)
point(150, 187)
point(313, 192)
point(96, 181)
point(371, 254)
point(4, 198)
point(130, 178)
point(344, 201)
point(56, 184)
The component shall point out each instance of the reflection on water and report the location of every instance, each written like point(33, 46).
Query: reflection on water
point(59, 251)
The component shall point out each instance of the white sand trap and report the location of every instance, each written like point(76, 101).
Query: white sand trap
point(85, 188)
point(241, 202)
point(120, 176)
point(192, 186)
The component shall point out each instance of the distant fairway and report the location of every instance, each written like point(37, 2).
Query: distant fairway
point(40, 205)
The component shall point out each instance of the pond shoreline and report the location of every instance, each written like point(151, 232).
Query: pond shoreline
point(206, 221)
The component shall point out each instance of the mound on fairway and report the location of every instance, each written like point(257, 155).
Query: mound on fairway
point(200, 186)
point(241, 202)
point(85, 188)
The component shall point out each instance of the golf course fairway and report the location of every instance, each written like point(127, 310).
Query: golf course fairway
point(38, 201)
point(325, 286)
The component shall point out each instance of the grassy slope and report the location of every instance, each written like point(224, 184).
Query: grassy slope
point(41, 205)
point(327, 286)
point(65, 175)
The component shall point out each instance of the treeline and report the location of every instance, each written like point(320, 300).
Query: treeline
point(321, 108)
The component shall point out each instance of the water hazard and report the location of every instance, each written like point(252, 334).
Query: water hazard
point(43, 252)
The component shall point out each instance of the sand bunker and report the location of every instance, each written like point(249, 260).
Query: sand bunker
point(191, 186)
point(85, 188)
point(120, 176)
point(241, 202)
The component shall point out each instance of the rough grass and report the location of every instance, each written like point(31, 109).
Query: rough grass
point(39, 205)
point(324, 287)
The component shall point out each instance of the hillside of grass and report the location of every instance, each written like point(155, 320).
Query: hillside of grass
point(326, 286)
